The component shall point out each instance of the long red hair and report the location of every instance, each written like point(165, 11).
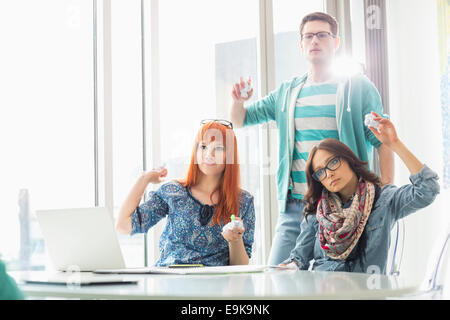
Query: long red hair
point(229, 186)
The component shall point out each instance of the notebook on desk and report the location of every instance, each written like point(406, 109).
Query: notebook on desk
point(76, 279)
point(188, 270)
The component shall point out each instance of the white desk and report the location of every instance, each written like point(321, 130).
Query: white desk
point(272, 284)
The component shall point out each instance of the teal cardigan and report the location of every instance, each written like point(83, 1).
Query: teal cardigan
point(8, 287)
point(356, 96)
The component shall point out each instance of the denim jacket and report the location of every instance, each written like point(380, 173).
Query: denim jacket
point(393, 204)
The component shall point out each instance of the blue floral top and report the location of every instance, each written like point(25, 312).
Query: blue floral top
point(184, 239)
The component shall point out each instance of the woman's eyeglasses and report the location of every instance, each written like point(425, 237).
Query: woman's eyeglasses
point(226, 123)
point(332, 165)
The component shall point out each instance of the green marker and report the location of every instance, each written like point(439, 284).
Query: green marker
point(232, 218)
point(185, 265)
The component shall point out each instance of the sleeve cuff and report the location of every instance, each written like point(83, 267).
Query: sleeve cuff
point(136, 221)
point(298, 262)
point(424, 174)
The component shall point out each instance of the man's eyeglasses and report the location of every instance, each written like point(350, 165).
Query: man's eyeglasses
point(332, 165)
point(320, 35)
point(222, 122)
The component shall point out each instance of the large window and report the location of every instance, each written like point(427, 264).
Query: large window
point(46, 118)
point(202, 51)
point(287, 16)
point(127, 124)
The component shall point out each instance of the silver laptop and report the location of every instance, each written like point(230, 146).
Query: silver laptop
point(81, 239)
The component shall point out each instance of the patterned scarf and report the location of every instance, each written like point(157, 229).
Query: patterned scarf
point(340, 229)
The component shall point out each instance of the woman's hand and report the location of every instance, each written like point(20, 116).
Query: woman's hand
point(236, 247)
point(387, 135)
point(386, 132)
point(234, 234)
point(291, 265)
point(155, 175)
point(134, 198)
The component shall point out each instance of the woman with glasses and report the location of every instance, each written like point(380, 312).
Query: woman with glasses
point(198, 206)
point(348, 215)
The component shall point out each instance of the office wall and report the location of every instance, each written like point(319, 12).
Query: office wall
point(416, 110)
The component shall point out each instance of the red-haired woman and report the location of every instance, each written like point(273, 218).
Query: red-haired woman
point(198, 206)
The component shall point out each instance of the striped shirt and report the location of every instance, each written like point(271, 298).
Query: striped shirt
point(315, 120)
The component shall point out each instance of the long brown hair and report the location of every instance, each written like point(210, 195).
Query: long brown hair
point(336, 148)
point(229, 186)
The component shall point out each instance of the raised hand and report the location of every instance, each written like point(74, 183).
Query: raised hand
point(134, 197)
point(386, 132)
point(155, 175)
point(236, 92)
point(387, 135)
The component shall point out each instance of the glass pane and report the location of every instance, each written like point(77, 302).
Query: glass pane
point(201, 56)
point(287, 16)
point(358, 31)
point(127, 113)
point(46, 119)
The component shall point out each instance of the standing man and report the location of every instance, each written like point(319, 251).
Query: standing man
point(308, 109)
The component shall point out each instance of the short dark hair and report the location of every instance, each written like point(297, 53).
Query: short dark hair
point(334, 26)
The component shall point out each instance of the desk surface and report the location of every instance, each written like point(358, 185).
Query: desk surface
point(272, 284)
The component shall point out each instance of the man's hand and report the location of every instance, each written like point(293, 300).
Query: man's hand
point(236, 92)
